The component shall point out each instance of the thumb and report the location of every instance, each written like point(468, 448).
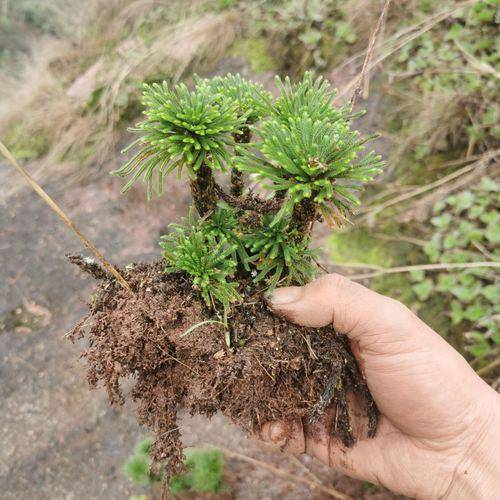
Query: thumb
point(358, 312)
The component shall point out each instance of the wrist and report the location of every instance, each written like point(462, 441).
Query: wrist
point(478, 474)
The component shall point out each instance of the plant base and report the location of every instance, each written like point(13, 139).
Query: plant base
point(275, 371)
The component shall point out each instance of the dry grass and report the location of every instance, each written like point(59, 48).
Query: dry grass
point(76, 94)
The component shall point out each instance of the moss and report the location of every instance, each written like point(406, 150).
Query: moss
point(256, 51)
point(205, 468)
point(359, 246)
point(24, 144)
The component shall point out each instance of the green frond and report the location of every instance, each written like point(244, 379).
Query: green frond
point(224, 224)
point(310, 159)
point(207, 260)
point(313, 97)
point(252, 100)
point(278, 254)
point(183, 128)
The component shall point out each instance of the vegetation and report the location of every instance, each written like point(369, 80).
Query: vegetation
point(467, 230)
point(137, 467)
point(307, 157)
point(204, 470)
point(204, 474)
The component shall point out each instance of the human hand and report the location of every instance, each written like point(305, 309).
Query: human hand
point(439, 430)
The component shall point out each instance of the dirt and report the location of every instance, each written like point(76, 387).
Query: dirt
point(272, 370)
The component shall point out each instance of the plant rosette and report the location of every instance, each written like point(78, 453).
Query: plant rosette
point(196, 333)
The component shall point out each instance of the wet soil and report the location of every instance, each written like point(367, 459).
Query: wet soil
point(159, 336)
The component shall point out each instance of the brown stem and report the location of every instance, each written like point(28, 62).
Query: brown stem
point(249, 202)
point(237, 178)
point(203, 190)
point(303, 216)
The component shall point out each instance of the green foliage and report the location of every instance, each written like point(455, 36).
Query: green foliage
point(26, 145)
point(309, 151)
point(257, 52)
point(453, 70)
point(249, 97)
point(223, 224)
point(205, 469)
point(206, 258)
point(307, 156)
point(305, 34)
point(466, 230)
point(311, 97)
point(279, 253)
point(137, 467)
point(183, 129)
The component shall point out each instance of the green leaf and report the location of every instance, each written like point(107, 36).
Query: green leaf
point(441, 221)
point(423, 289)
point(456, 313)
point(480, 346)
point(464, 200)
point(488, 184)
point(446, 281)
point(417, 275)
point(463, 293)
point(492, 293)
point(492, 233)
point(475, 312)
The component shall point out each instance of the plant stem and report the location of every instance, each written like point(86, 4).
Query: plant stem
point(203, 190)
point(303, 217)
point(237, 179)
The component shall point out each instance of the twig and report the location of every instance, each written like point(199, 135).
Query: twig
point(369, 53)
point(485, 370)
point(287, 475)
point(55, 207)
point(401, 237)
point(425, 267)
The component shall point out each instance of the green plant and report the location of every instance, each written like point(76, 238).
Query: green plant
point(467, 229)
point(448, 82)
point(307, 157)
point(137, 467)
point(278, 251)
point(207, 259)
point(205, 469)
point(184, 128)
point(304, 33)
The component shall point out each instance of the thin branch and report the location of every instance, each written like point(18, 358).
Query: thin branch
point(486, 370)
point(285, 474)
point(429, 187)
point(425, 267)
point(369, 53)
point(55, 207)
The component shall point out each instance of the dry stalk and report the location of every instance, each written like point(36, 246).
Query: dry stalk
point(399, 40)
point(369, 53)
point(55, 207)
point(373, 210)
point(425, 267)
point(285, 474)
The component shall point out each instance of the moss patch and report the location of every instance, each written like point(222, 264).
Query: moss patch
point(256, 51)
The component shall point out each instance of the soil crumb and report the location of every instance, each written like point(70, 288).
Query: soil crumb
point(274, 370)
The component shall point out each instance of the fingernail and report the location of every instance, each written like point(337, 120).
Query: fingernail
point(283, 296)
point(276, 432)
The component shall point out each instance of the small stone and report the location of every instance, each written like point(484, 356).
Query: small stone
point(296, 363)
point(220, 354)
point(270, 332)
